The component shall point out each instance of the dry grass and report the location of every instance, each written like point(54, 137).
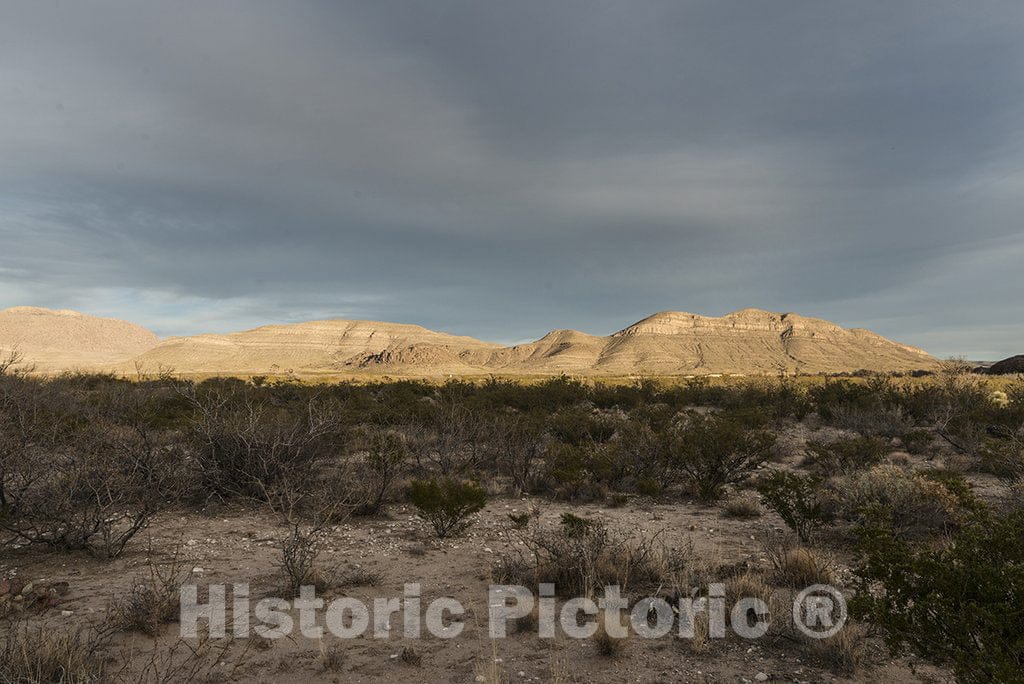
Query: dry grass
point(153, 599)
point(51, 655)
point(798, 566)
point(701, 640)
point(489, 671)
point(410, 656)
point(747, 585)
point(844, 653)
point(605, 643)
point(742, 507)
point(332, 658)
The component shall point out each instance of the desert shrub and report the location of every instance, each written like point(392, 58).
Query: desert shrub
point(714, 451)
point(93, 493)
point(748, 585)
point(519, 521)
point(846, 455)
point(917, 441)
point(581, 556)
point(517, 444)
point(387, 455)
point(575, 473)
point(797, 499)
point(958, 605)
point(911, 505)
point(843, 653)
point(452, 440)
point(957, 485)
point(333, 657)
point(447, 504)
point(637, 459)
point(1003, 458)
point(834, 398)
point(873, 420)
point(297, 565)
point(410, 656)
point(245, 445)
point(606, 644)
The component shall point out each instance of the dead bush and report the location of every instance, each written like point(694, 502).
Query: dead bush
point(517, 444)
point(246, 446)
point(386, 458)
point(93, 492)
point(298, 564)
point(453, 442)
point(874, 420)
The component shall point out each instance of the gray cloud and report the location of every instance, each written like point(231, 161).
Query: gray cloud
point(498, 169)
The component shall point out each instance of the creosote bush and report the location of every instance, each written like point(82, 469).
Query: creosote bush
point(958, 604)
point(715, 451)
point(912, 505)
point(447, 504)
point(846, 455)
point(798, 499)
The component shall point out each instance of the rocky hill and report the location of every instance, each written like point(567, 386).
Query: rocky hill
point(1014, 364)
point(67, 340)
point(745, 342)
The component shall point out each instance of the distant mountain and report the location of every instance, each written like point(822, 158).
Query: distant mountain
point(335, 346)
point(750, 341)
point(67, 340)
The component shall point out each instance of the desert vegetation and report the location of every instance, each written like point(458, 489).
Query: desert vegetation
point(904, 492)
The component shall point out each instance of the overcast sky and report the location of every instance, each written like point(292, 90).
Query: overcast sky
point(498, 169)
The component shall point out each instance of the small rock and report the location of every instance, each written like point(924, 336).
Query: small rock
point(760, 677)
point(66, 613)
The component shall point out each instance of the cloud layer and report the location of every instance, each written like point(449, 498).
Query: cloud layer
point(498, 169)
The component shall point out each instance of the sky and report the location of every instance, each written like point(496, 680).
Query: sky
point(499, 169)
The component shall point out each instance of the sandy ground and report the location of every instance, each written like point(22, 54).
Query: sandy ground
point(239, 545)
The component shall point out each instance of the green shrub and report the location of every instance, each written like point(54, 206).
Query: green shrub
point(797, 500)
point(958, 605)
point(714, 451)
point(447, 504)
point(1003, 458)
point(911, 505)
point(846, 455)
point(917, 441)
